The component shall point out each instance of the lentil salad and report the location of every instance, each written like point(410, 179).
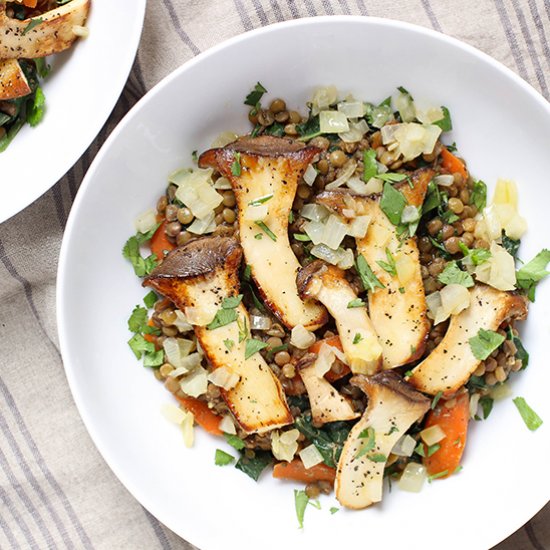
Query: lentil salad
point(374, 168)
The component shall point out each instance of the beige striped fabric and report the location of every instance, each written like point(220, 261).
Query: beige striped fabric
point(55, 489)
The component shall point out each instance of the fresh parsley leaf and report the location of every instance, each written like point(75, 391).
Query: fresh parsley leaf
point(477, 256)
point(392, 203)
point(391, 177)
point(357, 338)
point(228, 344)
point(253, 467)
point(232, 301)
point(33, 23)
point(368, 278)
point(291, 217)
point(236, 168)
point(510, 245)
point(449, 217)
point(370, 167)
point(315, 503)
point(532, 420)
point(433, 198)
point(333, 510)
point(357, 302)
point(445, 123)
point(266, 230)
point(275, 129)
point(388, 266)
point(253, 346)
point(453, 275)
point(223, 317)
point(259, 236)
point(139, 345)
point(150, 299)
point(377, 457)
point(36, 113)
point(404, 91)
point(533, 272)
point(484, 343)
point(486, 404)
point(130, 251)
point(254, 97)
point(436, 399)
point(479, 195)
point(309, 129)
point(419, 450)
point(438, 475)
point(235, 442)
point(153, 358)
point(222, 458)
point(243, 328)
point(368, 435)
point(302, 237)
point(260, 200)
point(42, 68)
point(300, 503)
point(138, 319)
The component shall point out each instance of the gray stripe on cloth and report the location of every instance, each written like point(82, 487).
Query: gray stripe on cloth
point(533, 537)
point(18, 488)
point(540, 29)
point(293, 10)
point(243, 15)
point(531, 48)
point(57, 198)
point(5, 527)
point(327, 7)
point(345, 7)
point(20, 522)
point(362, 7)
point(510, 37)
point(138, 74)
point(39, 459)
point(158, 529)
point(260, 13)
point(431, 15)
point(277, 11)
point(311, 10)
point(27, 288)
point(179, 29)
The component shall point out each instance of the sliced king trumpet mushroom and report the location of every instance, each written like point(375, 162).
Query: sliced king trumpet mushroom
point(393, 406)
point(328, 284)
point(264, 171)
point(13, 82)
point(200, 275)
point(450, 365)
point(48, 33)
point(327, 404)
point(398, 311)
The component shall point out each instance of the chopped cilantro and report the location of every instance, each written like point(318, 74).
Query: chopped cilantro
point(388, 266)
point(247, 272)
point(436, 399)
point(479, 195)
point(377, 457)
point(401, 290)
point(300, 503)
point(533, 272)
point(254, 97)
point(232, 301)
point(484, 343)
point(272, 351)
point(228, 344)
point(142, 266)
point(253, 346)
point(392, 203)
point(275, 129)
point(222, 458)
point(223, 317)
point(194, 156)
point(302, 237)
point(521, 352)
point(150, 299)
point(477, 256)
point(153, 358)
point(419, 450)
point(486, 404)
point(236, 168)
point(259, 236)
point(235, 442)
point(532, 420)
point(357, 302)
point(266, 230)
point(433, 449)
point(445, 123)
point(333, 510)
point(243, 328)
point(138, 319)
point(139, 345)
point(309, 129)
point(369, 435)
point(391, 177)
point(357, 338)
point(433, 198)
point(260, 200)
point(370, 167)
point(32, 24)
point(368, 278)
point(36, 112)
point(438, 475)
point(453, 275)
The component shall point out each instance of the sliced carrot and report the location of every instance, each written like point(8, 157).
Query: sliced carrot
point(28, 3)
point(454, 422)
point(335, 342)
point(296, 471)
point(453, 164)
point(159, 242)
point(150, 337)
point(204, 417)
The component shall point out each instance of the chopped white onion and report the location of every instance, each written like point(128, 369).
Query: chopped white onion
point(454, 299)
point(347, 259)
point(416, 139)
point(413, 477)
point(315, 212)
point(444, 180)
point(172, 413)
point(374, 185)
point(405, 106)
point(198, 316)
point(227, 425)
point(352, 109)
point(310, 456)
point(204, 226)
point(146, 221)
point(310, 174)
point(500, 391)
point(260, 322)
point(499, 271)
point(357, 186)
point(323, 252)
point(181, 322)
point(222, 184)
point(323, 98)
point(257, 212)
point(324, 360)
point(493, 226)
point(388, 132)
point(315, 231)
point(301, 338)
point(516, 227)
point(284, 444)
point(187, 364)
point(224, 377)
point(345, 175)
point(334, 232)
point(410, 214)
point(433, 302)
point(176, 349)
point(187, 429)
point(426, 113)
point(506, 192)
point(195, 383)
point(432, 435)
point(359, 226)
point(405, 446)
point(355, 133)
point(333, 122)
point(195, 190)
point(405, 268)
point(224, 139)
point(474, 403)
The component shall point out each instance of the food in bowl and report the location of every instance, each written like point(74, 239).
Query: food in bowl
point(336, 296)
point(32, 30)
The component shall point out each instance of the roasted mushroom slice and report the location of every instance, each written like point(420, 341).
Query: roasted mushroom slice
point(392, 408)
point(13, 82)
point(452, 362)
point(201, 275)
point(327, 404)
point(398, 311)
point(51, 32)
point(328, 284)
point(264, 173)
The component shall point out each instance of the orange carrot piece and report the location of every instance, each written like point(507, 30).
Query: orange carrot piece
point(453, 164)
point(335, 342)
point(28, 3)
point(204, 417)
point(454, 422)
point(296, 471)
point(159, 242)
point(150, 337)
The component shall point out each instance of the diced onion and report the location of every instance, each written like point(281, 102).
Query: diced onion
point(224, 377)
point(357, 185)
point(260, 322)
point(187, 364)
point(227, 425)
point(301, 338)
point(416, 139)
point(405, 106)
point(284, 444)
point(405, 267)
point(499, 271)
point(344, 176)
point(444, 180)
point(222, 183)
point(500, 391)
point(516, 227)
point(310, 456)
point(333, 122)
point(176, 373)
point(374, 185)
point(474, 403)
point(506, 192)
point(172, 413)
point(187, 429)
point(352, 109)
point(195, 383)
point(324, 360)
point(413, 477)
point(198, 316)
point(410, 214)
point(310, 174)
point(323, 252)
point(432, 435)
point(314, 212)
point(176, 349)
point(427, 114)
point(224, 139)
point(181, 322)
point(388, 132)
point(454, 299)
point(334, 232)
point(347, 259)
point(355, 133)
point(433, 302)
point(493, 226)
point(323, 98)
point(359, 226)
point(204, 226)
point(196, 192)
point(315, 231)
point(257, 212)
point(405, 446)
point(146, 221)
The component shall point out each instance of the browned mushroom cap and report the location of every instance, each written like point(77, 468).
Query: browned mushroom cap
point(201, 275)
point(269, 169)
point(329, 285)
point(13, 82)
point(50, 33)
point(452, 362)
point(392, 408)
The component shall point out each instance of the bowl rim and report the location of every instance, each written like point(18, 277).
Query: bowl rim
point(78, 398)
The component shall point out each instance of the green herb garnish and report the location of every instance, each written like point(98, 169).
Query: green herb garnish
point(388, 266)
point(532, 420)
point(253, 467)
point(479, 195)
point(533, 272)
point(477, 256)
point(139, 345)
point(300, 503)
point(229, 344)
point(232, 301)
point(222, 318)
point(368, 278)
point(154, 358)
point(236, 168)
point(438, 475)
point(368, 435)
point(357, 338)
point(484, 343)
point(377, 457)
point(243, 328)
point(260, 200)
point(266, 230)
point(453, 275)
point(357, 302)
point(222, 458)
point(150, 299)
point(433, 448)
point(138, 319)
point(392, 203)
point(235, 442)
point(253, 346)
point(370, 166)
point(436, 399)
point(33, 23)
point(445, 123)
point(302, 237)
point(142, 266)
point(254, 97)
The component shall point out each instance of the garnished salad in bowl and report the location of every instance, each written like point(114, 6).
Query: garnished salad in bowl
point(335, 295)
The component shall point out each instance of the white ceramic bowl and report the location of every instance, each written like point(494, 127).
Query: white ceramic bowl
point(502, 127)
point(81, 91)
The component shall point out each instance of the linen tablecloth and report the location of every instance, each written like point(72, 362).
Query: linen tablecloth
point(55, 489)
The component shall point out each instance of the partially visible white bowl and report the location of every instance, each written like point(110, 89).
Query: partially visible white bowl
point(81, 91)
point(502, 127)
